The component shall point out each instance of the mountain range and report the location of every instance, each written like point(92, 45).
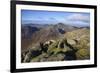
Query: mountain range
point(33, 34)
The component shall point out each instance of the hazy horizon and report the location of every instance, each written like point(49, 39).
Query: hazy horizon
point(54, 17)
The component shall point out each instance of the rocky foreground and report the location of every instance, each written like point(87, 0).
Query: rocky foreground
point(74, 45)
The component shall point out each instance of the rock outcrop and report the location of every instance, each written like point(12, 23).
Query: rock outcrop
point(73, 46)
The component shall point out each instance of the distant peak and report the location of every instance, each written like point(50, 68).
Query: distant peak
point(60, 24)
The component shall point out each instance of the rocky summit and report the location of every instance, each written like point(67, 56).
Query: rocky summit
point(64, 45)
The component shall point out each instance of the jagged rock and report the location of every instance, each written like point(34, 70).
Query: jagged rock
point(82, 44)
point(30, 54)
point(49, 42)
point(57, 57)
point(60, 56)
point(71, 42)
point(37, 47)
point(28, 57)
point(61, 43)
point(83, 54)
point(52, 58)
point(23, 55)
point(44, 48)
point(60, 46)
point(66, 48)
point(52, 47)
point(41, 58)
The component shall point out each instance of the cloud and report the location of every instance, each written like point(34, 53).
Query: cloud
point(78, 23)
point(79, 17)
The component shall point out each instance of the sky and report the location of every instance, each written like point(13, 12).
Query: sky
point(54, 17)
